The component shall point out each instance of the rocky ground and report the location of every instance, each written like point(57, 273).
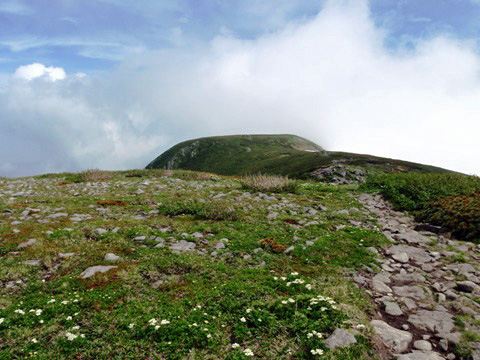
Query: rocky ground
point(427, 290)
point(130, 264)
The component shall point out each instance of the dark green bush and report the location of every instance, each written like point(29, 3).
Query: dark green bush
point(411, 191)
point(459, 214)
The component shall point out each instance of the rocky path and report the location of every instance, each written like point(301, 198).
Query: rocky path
point(427, 290)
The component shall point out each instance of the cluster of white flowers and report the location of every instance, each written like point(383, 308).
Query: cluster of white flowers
point(34, 341)
point(2, 320)
point(152, 322)
point(65, 302)
point(315, 333)
point(19, 311)
point(71, 336)
point(235, 345)
point(296, 281)
point(51, 301)
point(248, 352)
point(316, 351)
point(131, 325)
point(309, 286)
point(69, 318)
point(360, 326)
point(290, 300)
point(164, 322)
point(294, 273)
point(249, 311)
point(319, 298)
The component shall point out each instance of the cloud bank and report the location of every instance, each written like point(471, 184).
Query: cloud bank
point(330, 79)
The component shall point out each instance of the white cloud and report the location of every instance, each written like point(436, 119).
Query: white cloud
point(329, 79)
point(36, 70)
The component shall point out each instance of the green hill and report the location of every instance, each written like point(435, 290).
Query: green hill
point(272, 154)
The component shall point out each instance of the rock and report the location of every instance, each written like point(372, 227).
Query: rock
point(32, 262)
point(392, 308)
point(466, 286)
point(419, 355)
point(139, 192)
point(272, 215)
point(380, 287)
point(100, 231)
point(440, 322)
point(413, 292)
point(412, 237)
point(430, 228)
point(401, 257)
point(220, 245)
point(197, 235)
point(411, 278)
point(418, 255)
point(140, 238)
point(111, 257)
point(339, 339)
point(383, 277)
point(289, 249)
point(57, 215)
point(89, 272)
point(66, 255)
point(360, 280)
point(398, 340)
point(422, 345)
point(182, 245)
point(26, 243)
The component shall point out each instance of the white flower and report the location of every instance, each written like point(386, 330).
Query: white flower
point(2, 320)
point(294, 273)
point(34, 340)
point(41, 321)
point(360, 326)
point(249, 311)
point(71, 336)
point(131, 326)
point(243, 319)
point(248, 352)
point(309, 286)
point(309, 335)
point(209, 336)
point(284, 302)
point(76, 327)
point(291, 300)
point(164, 322)
point(51, 301)
point(19, 311)
point(157, 327)
point(275, 278)
point(64, 302)
point(82, 336)
point(69, 318)
point(283, 278)
point(38, 312)
point(235, 345)
point(152, 321)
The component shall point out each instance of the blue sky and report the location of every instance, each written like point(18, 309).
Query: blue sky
point(112, 83)
point(95, 35)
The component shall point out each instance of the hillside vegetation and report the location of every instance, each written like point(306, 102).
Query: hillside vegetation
point(270, 154)
point(451, 201)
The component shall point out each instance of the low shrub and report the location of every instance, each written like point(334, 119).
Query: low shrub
point(269, 183)
point(459, 214)
point(89, 175)
point(200, 210)
point(193, 175)
point(411, 191)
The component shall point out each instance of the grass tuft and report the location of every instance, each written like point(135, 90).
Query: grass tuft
point(269, 183)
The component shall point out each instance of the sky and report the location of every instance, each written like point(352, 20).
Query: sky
point(111, 84)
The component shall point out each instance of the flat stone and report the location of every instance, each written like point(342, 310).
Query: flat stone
point(466, 286)
point(392, 308)
point(420, 355)
point(412, 237)
point(440, 322)
point(111, 257)
point(220, 245)
point(418, 255)
point(89, 272)
point(401, 257)
point(100, 231)
point(272, 215)
point(183, 245)
point(26, 243)
point(57, 215)
point(398, 340)
point(197, 235)
point(380, 287)
point(422, 345)
point(32, 262)
point(383, 277)
point(413, 292)
point(410, 278)
point(139, 238)
point(339, 339)
point(66, 255)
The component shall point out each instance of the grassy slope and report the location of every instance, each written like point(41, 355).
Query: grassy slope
point(273, 154)
point(201, 295)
